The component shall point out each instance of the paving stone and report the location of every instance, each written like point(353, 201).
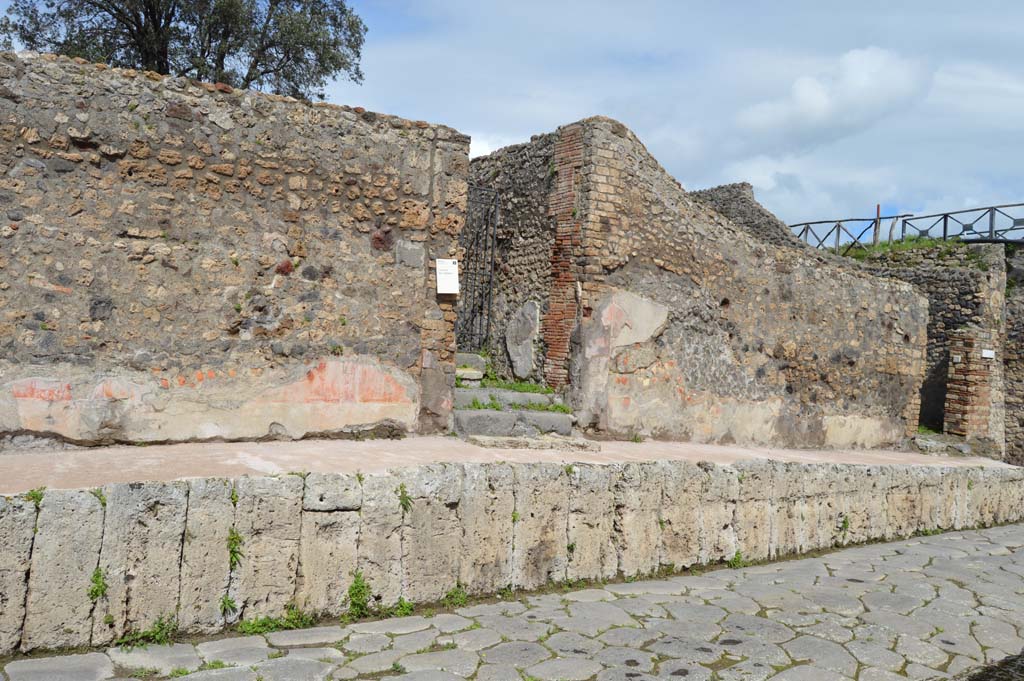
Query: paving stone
point(242, 650)
point(746, 670)
point(824, 654)
point(872, 654)
point(375, 662)
point(88, 667)
point(398, 625)
point(679, 669)
point(921, 652)
point(293, 669)
point(474, 639)
point(165, 658)
point(807, 673)
point(958, 644)
point(630, 658)
point(569, 644)
point(228, 674)
point(623, 674)
point(872, 674)
point(326, 655)
point(316, 636)
point(416, 641)
point(590, 596)
point(497, 672)
point(564, 669)
point(448, 623)
point(632, 638)
point(517, 654)
point(426, 675)
point(460, 662)
point(367, 643)
point(760, 628)
point(514, 628)
point(695, 652)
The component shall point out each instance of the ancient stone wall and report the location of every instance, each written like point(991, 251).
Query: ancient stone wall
point(523, 176)
point(965, 285)
point(162, 548)
point(737, 203)
point(682, 325)
point(182, 261)
point(973, 398)
point(1013, 356)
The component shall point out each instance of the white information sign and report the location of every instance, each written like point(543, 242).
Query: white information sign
point(447, 276)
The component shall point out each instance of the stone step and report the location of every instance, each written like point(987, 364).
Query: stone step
point(471, 360)
point(506, 398)
point(511, 423)
point(469, 378)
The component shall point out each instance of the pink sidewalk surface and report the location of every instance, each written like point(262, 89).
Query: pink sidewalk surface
point(74, 469)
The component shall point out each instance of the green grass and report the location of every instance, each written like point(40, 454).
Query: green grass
point(100, 496)
point(98, 586)
point(227, 605)
point(925, 430)
point(235, 554)
point(213, 664)
point(515, 386)
point(360, 597)
point(543, 406)
point(737, 561)
point(404, 500)
point(402, 608)
point(35, 496)
point(158, 634)
point(492, 403)
point(456, 597)
point(293, 619)
point(908, 244)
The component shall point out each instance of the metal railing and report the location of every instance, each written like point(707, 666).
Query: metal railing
point(994, 223)
point(479, 238)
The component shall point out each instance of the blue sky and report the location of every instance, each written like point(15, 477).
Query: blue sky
point(827, 108)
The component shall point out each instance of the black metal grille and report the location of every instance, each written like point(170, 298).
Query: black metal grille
point(994, 223)
point(476, 276)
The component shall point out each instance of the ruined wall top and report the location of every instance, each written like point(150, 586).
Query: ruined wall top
point(174, 249)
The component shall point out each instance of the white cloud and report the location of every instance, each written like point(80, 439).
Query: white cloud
point(860, 88)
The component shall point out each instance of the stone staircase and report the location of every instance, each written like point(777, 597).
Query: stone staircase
point(492, 412)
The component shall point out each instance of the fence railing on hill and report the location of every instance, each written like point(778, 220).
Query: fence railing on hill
point(994, 223)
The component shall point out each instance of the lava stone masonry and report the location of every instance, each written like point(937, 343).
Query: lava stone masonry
point(184, 261)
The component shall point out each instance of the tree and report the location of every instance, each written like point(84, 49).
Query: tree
point(289, 47)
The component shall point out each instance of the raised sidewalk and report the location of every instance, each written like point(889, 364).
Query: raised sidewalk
point(209, 534)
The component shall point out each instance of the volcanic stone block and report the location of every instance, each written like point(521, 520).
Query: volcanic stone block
point(591, 528)
point(486, 507)
point(718, 504)
point(205, 568)
point(64, 556)
point(380, 537)
point(754, 508)
point(268, 519)
point(17, 519)
point(332, 492)
point(681, 511)
point(638, 491)
point(327, 559)
point(431, 532)
point(540, 536)
point(142, 540)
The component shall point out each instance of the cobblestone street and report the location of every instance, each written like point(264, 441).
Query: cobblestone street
point(930, 607)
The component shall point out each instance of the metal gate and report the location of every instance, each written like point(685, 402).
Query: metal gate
point(476, 276)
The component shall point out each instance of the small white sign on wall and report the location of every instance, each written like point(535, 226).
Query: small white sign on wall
point(447, 276)
point(988, 354)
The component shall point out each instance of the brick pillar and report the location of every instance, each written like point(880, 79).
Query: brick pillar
point(969, 389)
point(560, 319)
